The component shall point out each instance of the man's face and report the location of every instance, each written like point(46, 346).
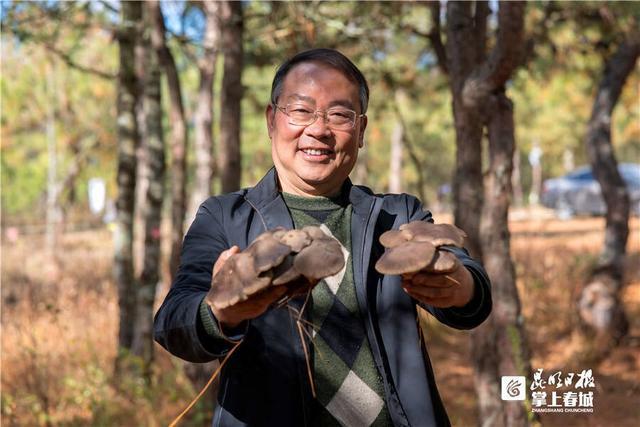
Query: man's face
point(315, 159)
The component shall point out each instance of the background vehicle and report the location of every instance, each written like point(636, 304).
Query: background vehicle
point(578, 192)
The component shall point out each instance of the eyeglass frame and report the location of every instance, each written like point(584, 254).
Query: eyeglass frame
point(316, 115)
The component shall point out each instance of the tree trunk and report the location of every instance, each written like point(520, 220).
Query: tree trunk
point(600, 308)
point(516, 179)
point(395, 160)
point(477, 83)
point(503, 334)
point(203, 117)
point(128, 141)
point(461, 52)
point(154, 144)
point(230, 163)
point(399, 95)
point(53, 215)
point(199, 373)
point(179, 137)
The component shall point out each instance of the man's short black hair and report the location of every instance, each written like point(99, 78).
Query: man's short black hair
point(329, 57)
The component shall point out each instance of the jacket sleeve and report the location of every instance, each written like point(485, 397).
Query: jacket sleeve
point(479, 308)
point(178, 324)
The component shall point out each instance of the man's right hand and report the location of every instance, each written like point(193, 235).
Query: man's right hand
point(233, 315)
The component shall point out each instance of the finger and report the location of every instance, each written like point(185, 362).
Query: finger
point(429, 292)
point(436, 302)
point(432, 280)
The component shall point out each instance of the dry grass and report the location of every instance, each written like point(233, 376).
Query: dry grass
point(552, 260)
point(59, 333)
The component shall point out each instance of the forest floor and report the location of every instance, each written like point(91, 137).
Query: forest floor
point(552, 258)
point(60, 325)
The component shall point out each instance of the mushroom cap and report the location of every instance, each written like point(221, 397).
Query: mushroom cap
point(437, 234)
point(314, 232)
point(274, 232)
point(443, 262)
point(295, 239)
point(408, 257)
point(235, 282)
point(393, 238)
point(285, 272)
point(267, 252)
point(322, 258)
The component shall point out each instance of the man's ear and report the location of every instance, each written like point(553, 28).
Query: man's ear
point(270, 116)
point(363, 125)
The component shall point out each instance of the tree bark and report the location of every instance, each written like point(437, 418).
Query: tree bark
point(154, 144)
point(179, 136)
point(477, 84)
point(203, 117)
point(503, 334)
point(600, 307)
point(128, 141)
point(516, 179)
point(231, 95)
point(199, 373)
point(462, 40)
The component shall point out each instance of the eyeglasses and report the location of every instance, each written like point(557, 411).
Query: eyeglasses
point(338, 118)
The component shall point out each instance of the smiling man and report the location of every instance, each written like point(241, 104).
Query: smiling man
point(368, 363)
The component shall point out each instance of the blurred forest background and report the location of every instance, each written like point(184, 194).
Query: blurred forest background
point(119, 118)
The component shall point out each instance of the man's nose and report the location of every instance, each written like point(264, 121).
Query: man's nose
point(320, 126)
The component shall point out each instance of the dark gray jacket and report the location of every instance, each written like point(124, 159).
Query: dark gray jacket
point(265, 382)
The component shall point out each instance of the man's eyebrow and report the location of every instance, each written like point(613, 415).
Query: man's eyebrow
point(338, 102)
point(299, 97)
point(342, 103)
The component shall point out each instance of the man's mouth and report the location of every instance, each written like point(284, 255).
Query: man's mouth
point(317, 152)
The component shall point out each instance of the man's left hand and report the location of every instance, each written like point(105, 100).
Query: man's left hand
point(451, 289)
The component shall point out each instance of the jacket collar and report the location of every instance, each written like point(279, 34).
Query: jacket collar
point(266, 191)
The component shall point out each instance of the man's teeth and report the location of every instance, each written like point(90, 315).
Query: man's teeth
point(314, 152)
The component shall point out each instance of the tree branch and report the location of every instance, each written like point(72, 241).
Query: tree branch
point(503, 60)
point(435, 36)
point(480, 30)
point(66, 58)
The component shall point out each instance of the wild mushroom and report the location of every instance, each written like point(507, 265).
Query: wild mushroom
point(322, 258)
point(267, 252)
point(314, 232)
point(442, 262)
point(236, 281)
point(285, 272)
point(295, 258)
point(437, 234)
point(393, 238)
point(419, 250)
point(295, 239)
point(407, 257)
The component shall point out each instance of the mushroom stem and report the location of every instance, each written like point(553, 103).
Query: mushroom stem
point(307, 359)
point(451, 279)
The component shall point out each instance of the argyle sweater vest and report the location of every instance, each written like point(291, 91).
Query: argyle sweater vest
point(348, 385)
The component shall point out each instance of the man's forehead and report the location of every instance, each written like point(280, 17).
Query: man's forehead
point(313, 73)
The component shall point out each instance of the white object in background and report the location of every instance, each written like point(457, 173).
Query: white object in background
point(97, 193)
